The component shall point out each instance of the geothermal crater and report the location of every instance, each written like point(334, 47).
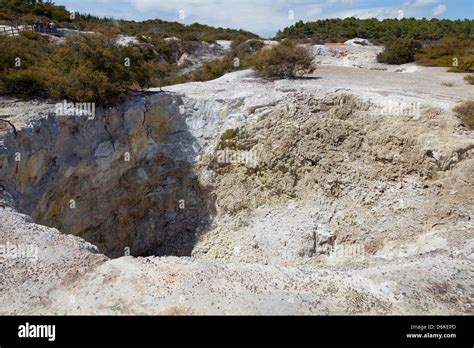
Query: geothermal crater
point(256, 187)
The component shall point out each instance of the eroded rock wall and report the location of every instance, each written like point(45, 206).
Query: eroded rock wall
point(123, 179)
point(325, 171)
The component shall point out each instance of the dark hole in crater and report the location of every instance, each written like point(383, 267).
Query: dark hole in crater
point(81, 184)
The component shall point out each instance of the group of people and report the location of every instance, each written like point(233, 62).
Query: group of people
point(43, 27)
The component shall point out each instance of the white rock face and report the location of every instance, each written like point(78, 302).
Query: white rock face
point(357, 53)
point(269, 43)
point(172, 38)
point(225, 44)
point(76, 280)
point(123, 40)
point(203, 53)
point(293, 232)
point(183, 59)
point(64, 32)
point(283, 236)
point(358, 42)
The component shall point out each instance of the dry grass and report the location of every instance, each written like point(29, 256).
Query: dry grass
point(447, 84)
point(465, 112)
point(469, 79)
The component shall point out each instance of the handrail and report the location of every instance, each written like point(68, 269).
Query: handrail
point(14, 31)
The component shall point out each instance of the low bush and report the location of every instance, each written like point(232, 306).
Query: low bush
point(469, 79)
point(248, 46)
point(83, 83)
point(465, 112)
point(241, 56)
point(285, 60)
point(213, 69)
point(448, 52)
point(30, 48)
point(169, 50)
point(447, 84)
point(465, 64)
point(85, 68)
point(26, 83)
point(229, 139)
point(93, 67)
point(399, 51)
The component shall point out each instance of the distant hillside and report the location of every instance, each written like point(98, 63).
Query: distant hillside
point(338, 30)
point(91, 67)
point(21, 11)
point(27, 12)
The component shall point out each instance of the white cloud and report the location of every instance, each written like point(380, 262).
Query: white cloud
point(212, 12)
point(423, 3)
point(417, 9)
point(439, 10)
point(264, 17)
point(380, 13)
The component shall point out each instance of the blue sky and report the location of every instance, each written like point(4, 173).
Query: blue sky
point(265, 17)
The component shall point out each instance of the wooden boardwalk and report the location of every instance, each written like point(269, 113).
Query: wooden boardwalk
point(15, 31)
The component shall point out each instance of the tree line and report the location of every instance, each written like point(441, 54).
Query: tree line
point(338, 30)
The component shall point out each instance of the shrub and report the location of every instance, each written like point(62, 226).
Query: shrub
point(162, 72)
point(245, 51)
point(447, 84)
point(285, 60)
point(229, 134)
point(466, 64)
point(169, 50)
point(31, 49)
point(229, 139)
point(213, 69)
point(443, 53)
point(14, 9)
point(469, 79)
point(83, 84)
point(92, 66)
point(465, 112)
point(25, 83)
point(399, 51)
point(248, 46)
point(85, 68)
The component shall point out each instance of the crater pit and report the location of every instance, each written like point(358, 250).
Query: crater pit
point(123, 181)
